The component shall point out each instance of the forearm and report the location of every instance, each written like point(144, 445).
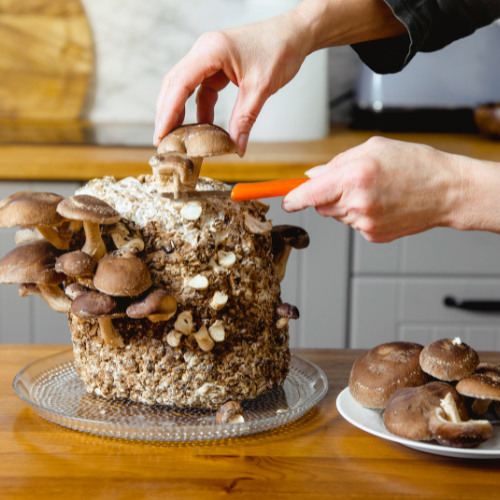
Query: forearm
point(477, 207)
point(329, 23)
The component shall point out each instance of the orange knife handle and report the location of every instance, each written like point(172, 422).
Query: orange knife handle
point(268, 189)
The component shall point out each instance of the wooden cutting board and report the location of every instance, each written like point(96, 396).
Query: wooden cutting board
point(46, 59)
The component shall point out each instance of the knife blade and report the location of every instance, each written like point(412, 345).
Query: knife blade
point(243, 191)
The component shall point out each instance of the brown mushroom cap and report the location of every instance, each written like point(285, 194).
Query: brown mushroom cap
point(122, 276)
point(88, 209)
point(479, 386)
point(31, 263)
point(286, 310)
point(376, 374)
point(199, 139)
point(469, 434)
point(73, 290)
point(489, 369)
point(408, 411)
point(92, 304)
point(157, 303)
point(284, 234)
point(230, 413)
point(449, 359)
point(30, 208)
point(75, 264)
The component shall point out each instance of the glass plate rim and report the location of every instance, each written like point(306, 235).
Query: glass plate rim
point(265, 423)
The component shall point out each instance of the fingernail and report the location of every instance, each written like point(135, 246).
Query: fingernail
point(158, 131)
point(242, 144)
point(287, 206)
point(316, 171)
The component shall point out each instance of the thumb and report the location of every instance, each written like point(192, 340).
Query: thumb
point(246, 110)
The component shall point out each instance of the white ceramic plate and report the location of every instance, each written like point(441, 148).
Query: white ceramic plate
point(371, 421)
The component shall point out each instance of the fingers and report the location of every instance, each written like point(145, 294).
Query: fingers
point(203, 62)
point(246, 110)
point(319, 191)
point(207, 96)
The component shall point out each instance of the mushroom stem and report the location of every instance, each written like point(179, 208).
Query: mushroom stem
point(51, 235)
point(450, 408)
point(55, 298)
point(193, 178)
point(280, 262)
point(110, 336)
point(480, 406)
point(26, 289)
point(94, 246)
point(282, 322)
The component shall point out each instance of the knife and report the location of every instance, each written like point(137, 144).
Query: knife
point(243, 191)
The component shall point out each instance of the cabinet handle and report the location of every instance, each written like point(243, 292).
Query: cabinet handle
point(473, 305)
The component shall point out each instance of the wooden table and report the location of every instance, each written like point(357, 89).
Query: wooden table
point(263, 161)
point(317, 456)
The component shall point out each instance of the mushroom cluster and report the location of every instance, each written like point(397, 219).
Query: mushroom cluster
point(170, 300)
point(429, 392)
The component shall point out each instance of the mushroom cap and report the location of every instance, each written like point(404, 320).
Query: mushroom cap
point(408, 411)
point(30, 208)
point(122, 276)
point(230, 413)
point(376, 374)
point(489, 369)
point(198, 139)
point(88, 209)
point(479, 386)
point(285, 234)
point(286, 310)
point(158, 301)
point(31, 263)
point(448, 360)
point(458, 434)
point(93, 304)
point(73, 290)
point(75, 264)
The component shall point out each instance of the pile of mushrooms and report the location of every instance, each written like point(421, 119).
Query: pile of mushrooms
point(429, 392)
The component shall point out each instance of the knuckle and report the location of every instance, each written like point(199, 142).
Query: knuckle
point(212, 40)
point(377, 141)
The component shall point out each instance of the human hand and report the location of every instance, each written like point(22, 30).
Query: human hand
point(387, 189)
point(259, 58)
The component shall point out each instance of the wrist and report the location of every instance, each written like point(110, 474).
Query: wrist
point(330, 23)
point(479, 200)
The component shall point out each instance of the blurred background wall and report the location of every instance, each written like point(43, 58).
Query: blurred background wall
point(137, 43)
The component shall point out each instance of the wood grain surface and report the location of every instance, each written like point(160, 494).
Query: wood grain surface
point(263, 161)
point(46, 59)
point(318, 456)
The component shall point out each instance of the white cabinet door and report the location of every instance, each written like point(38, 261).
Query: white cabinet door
point(441, 251)
point(384, 309)
point(316, 279)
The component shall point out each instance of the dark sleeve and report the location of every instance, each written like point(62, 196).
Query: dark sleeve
point(431, 25)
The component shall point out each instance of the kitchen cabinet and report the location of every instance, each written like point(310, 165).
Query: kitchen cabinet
point(398, 289)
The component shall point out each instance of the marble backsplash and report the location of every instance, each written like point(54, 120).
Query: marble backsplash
point(137, 42)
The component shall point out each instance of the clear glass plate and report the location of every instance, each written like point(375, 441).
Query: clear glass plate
point(54, 391)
